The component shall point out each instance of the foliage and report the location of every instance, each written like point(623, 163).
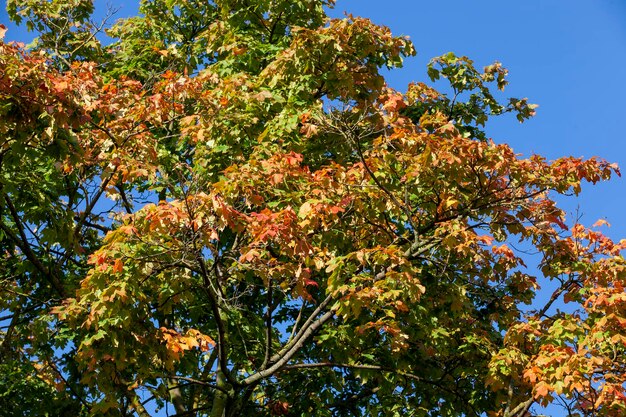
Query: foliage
point(229, 211)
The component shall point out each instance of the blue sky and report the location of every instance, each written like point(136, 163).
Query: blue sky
point(567, 56)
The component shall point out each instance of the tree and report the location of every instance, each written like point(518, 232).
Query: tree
point(229, 211)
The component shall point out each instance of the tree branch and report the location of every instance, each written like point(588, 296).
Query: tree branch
point(521, 408)
point(303, 329)
point(268, 326)
point(299, 342)
point(22, 243)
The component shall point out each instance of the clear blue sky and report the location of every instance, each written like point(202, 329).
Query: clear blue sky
point(567, 56)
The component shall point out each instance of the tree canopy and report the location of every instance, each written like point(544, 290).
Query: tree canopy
point(227, 212)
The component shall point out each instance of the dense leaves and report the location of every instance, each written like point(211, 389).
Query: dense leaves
point(228, 212)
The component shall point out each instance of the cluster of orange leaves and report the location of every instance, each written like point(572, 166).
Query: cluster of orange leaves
point(178, 343)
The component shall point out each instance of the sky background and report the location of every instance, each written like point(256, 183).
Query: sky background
point(567, 56)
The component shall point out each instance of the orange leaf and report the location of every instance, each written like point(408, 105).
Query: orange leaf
point(601, 222)
point(118, 266)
